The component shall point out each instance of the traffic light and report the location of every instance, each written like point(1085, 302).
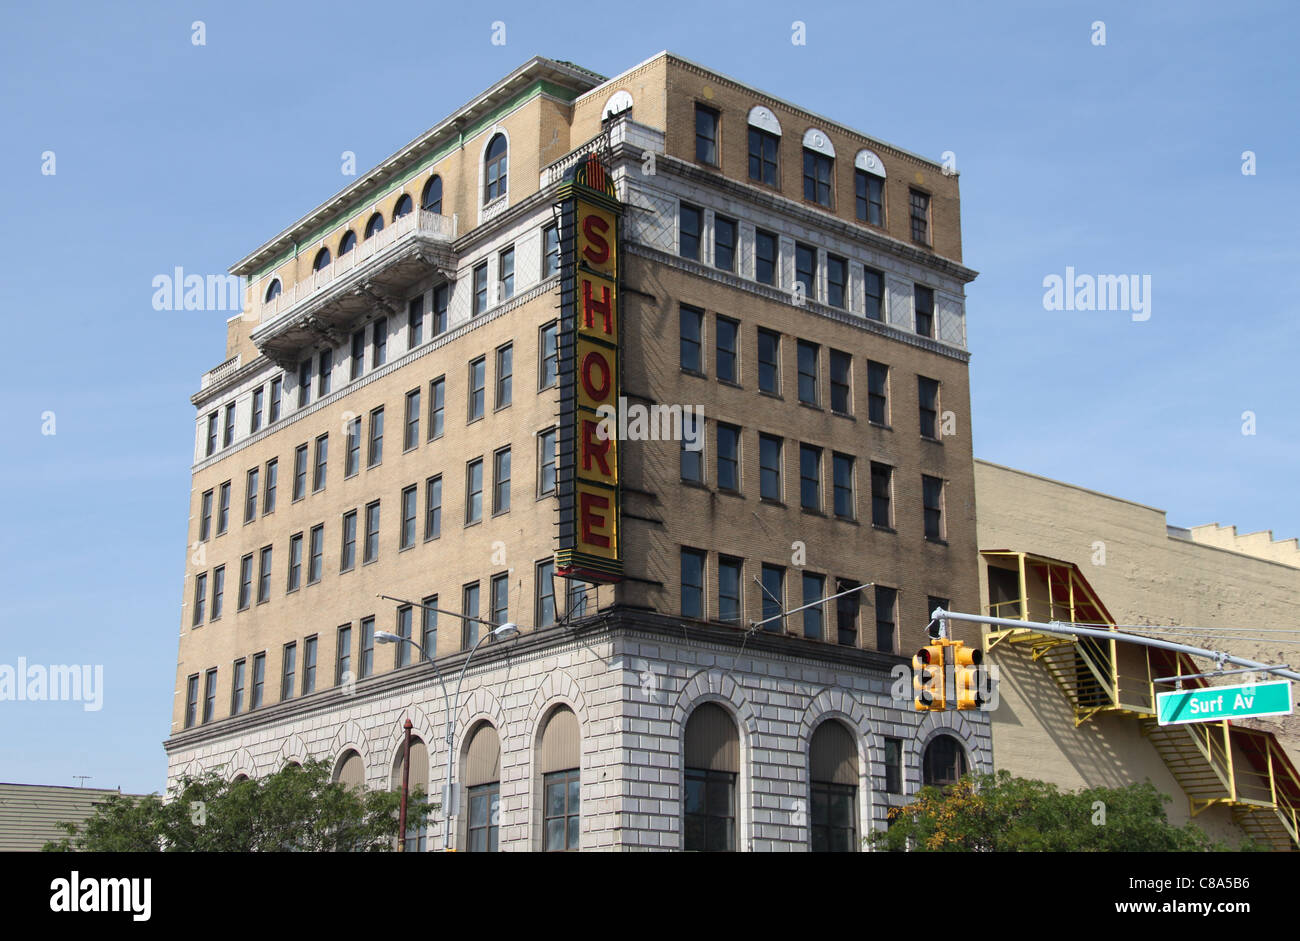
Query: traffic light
point(928, 679)
point(966, 676)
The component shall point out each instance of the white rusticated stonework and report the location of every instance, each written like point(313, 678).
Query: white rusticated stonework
point(632, 681)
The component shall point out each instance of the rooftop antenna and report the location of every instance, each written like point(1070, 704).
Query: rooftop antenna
point(83, 778)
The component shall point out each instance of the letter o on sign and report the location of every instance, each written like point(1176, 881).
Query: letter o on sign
point(594, 362)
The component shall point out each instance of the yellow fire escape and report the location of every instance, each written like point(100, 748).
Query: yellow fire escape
point(1215, 763)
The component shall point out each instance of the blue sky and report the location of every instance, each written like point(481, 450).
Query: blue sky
point(1115, 159)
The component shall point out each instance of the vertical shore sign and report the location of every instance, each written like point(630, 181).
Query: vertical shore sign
point(588, 348)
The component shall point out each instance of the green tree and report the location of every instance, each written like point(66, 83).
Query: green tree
point(1001, 813)
point(296, 809)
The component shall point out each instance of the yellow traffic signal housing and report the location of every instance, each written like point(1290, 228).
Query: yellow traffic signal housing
point(928, 679)
point(966, 677)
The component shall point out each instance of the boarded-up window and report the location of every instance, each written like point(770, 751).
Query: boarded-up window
point(561, 742)
point(351, 772)
point(483, 763)
point(712, 742)
point(834, 758)
point(419, 766)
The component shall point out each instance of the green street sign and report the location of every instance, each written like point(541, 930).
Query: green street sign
point(1224, 702)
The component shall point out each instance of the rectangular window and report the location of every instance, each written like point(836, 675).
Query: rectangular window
point(881, 494)
point(575, 599)
point(842, 465)
point(375, 454)
point(924, 299)
point(212, 435)
point(546, 462)
point(706, 135)
point(562, 819)
point(223, 507)
point(692, 459)
point(773, 598)
point(358, 354)
point(352, 459)
point(810, 477)
point(299, 472)
point(729, 590)
point(728, 457)
point(309, 665)
point(846, 611)
point(370, 552)
point(765, 257)
point(709, 811)
point(218, 592)
point(769, 354)
point(304, 383)
point(437, 406)
point(769, 467)
point(411, 430)
point(817, 178)
point(893, 766)
point(402, 655)
point(692, 583)
point(484, 809)
point(295, 562)
point(245, 581)
point(927, 395)
point(873, 284)
point(691, 224)
point(886, 598)
point(316, 554)
point(277, 385)
point(725, 358)
point(414, 322)
point(255, 422)
point(200, 598)
point(469, 607)
point(506, 270)
point(251, 486)
point(210, 695)
point(343, 656)
point(724, 243)
point(480, 288)
point(841, 382)
point(429, 625)
point(440, 298)
point(505, 375)
point(474, 491)
point(500, 597)
point(348, 554)
point(920, 203)
point(501, 481)
point(932, 499)
point(324, 373)
point(877, 393)
point(837, 281)
point(549, 365)
point(205, 516)
point(814, 618)
point(870, 191)
point(379, 337)
point(477, 384)
point(433, 507)
point(237, 684)
point(550, 250)
point(264, 575)
point(258, 694)
point(322, 462)
point(808, 379)
point(272, 481)
point(692, 326)
point(544, 601)
point(289, 671)
point(367, 651)
point(228, 432)
point(409, 499)
point(763, 149)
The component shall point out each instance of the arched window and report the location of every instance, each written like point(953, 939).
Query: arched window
point(322, 259)
point(273, 289)
point(239, 778)
point(403, 207)
point(431, 198)
point(418, 780)
point(944, 761)
point(347, 243)
point(376, 224)
point(350, 771)
point(833, 791)
point(483, 783)
point(712, 765)
point(494, 167)
point(561, 790)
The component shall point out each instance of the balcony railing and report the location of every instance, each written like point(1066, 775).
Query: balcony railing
point(617, 131)
point(429, 225)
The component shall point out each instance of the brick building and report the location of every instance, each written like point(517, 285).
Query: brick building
point(386, 423)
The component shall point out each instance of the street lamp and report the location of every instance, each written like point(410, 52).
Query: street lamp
point(498, 632)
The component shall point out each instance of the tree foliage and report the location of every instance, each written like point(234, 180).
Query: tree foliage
point(1001, 813)
point(296, 809)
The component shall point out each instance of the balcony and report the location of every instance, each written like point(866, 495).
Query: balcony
point(377, 273)
point(617, 131)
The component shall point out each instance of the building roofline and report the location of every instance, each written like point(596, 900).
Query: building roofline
point(1062, 483)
